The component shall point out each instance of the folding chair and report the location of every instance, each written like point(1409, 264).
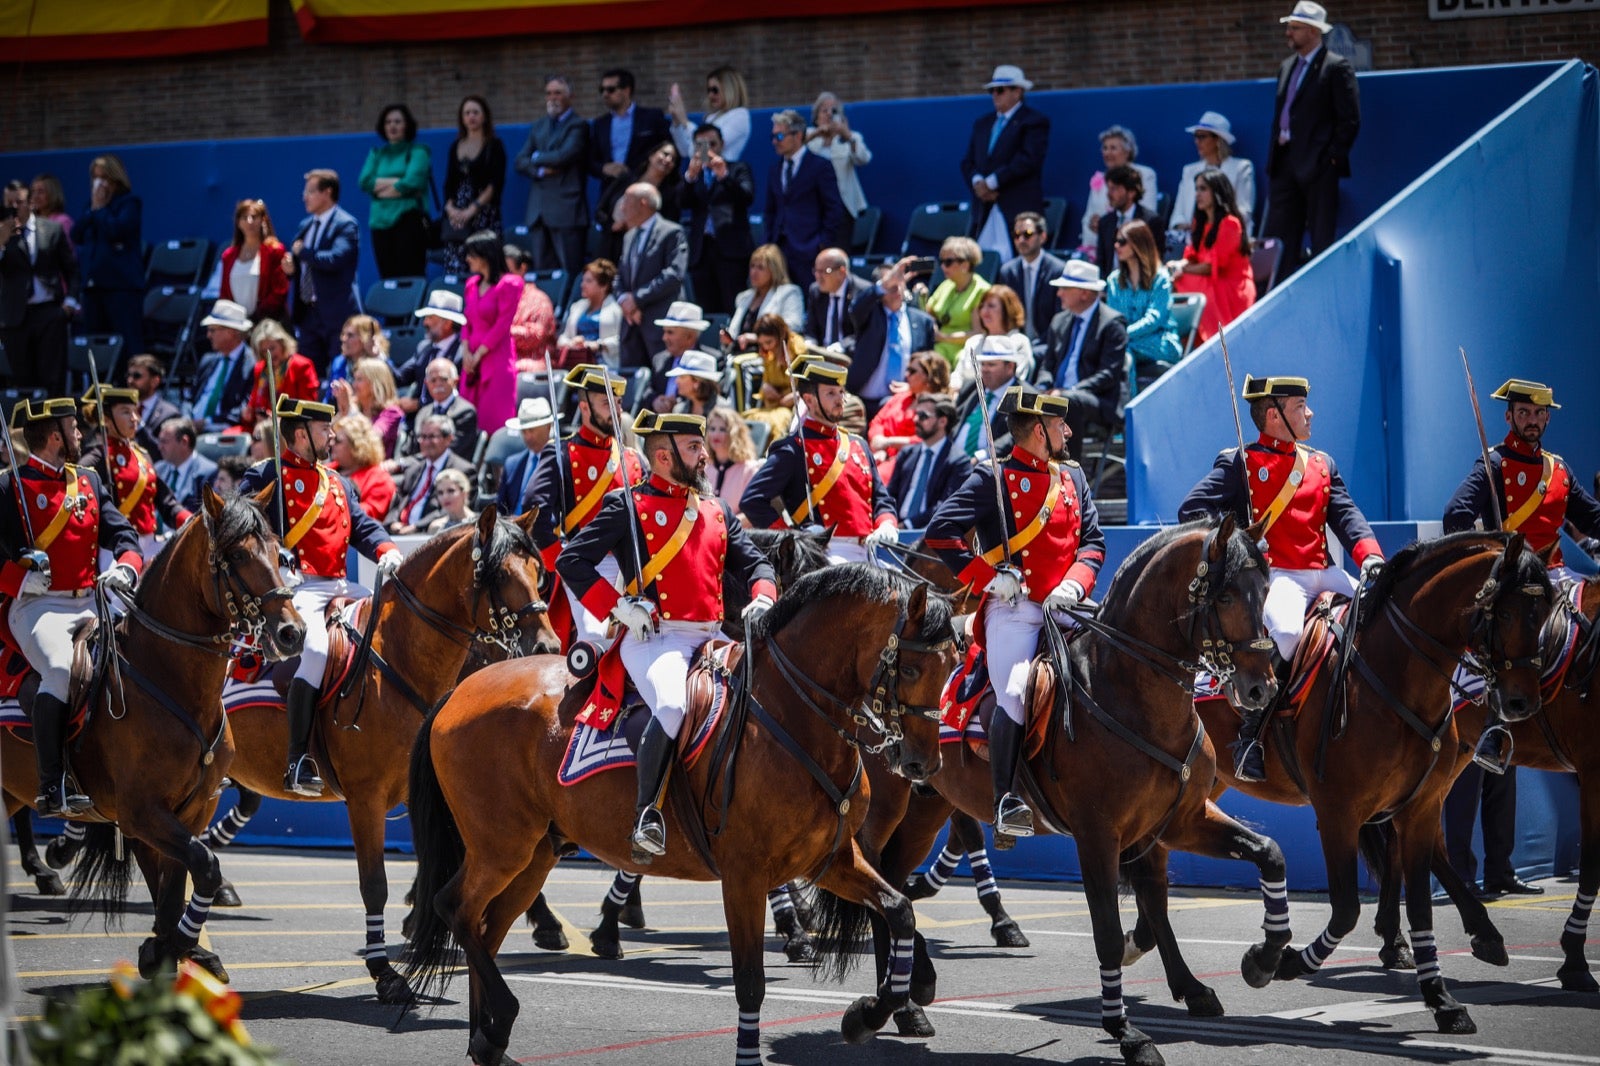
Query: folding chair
point(169, 316)
point(1055, 220)
point(865, 233)
point(105, 349)
point(931, 223)
point(1264, 260)
point(1186, 310)
point(393, 300)
point(179, 262)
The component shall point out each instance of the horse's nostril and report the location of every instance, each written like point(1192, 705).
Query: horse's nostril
point(289, 636)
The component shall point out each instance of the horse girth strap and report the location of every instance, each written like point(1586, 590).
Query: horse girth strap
point(657, 563)
point(69, 505)
point(157, 693)
point(832, 475)
point(1531, 504)
point(314, 511)
point(1026, 534)
point(1280, 502)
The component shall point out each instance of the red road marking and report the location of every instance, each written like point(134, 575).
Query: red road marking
point(651, 1041)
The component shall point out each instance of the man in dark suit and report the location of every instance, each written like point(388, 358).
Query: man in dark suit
point(804, 210)
point(535, 422)
point(929, 470)
point(181, 468)
point(718, 194)
point(1124, 187)
point(655, 258)
point(1085, 359)
point(1005, 154)
point(680, 334)
point(223, 380)
point(414, 503)
point(620, 139)
point(442, 319)
point(326, 248)
point(441, 398)
point(831, 297)
point(887, 332)
point(38, 271)
point(998, 359)
point(145, 375)
point(1029, 275)
point(555, 158)
point(1315, 119)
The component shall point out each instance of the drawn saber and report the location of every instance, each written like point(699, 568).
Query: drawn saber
point(622, 463)
point(1483, 441)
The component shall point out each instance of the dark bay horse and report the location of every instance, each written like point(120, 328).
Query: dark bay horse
point(1392, 755)
point(156, 749)
point(489, 816)
point(1127, 770)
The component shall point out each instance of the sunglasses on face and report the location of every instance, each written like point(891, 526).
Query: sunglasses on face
point(952, 261)
point(777, 136)
point(1025, 234)
point(924, 416)
point(1000, 90)
point(1121, 241)
point(609, 89)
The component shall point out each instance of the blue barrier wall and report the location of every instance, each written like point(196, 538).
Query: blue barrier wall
point(1494, 248)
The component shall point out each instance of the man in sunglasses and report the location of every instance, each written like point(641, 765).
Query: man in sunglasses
point(1005, 157)
point(626, 132)
point(1029, 275)
point(804, 210)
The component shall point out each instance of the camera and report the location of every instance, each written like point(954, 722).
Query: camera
point(925, 264)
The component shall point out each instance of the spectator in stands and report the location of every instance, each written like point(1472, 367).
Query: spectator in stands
point(489, 356)
point(1118, 148)
point(253, 274)
point(770, 293)
point(230, 471)
point(698, 379)
point(1213, 140)
point(655, 260)
point(181, 468)
point(475, 178)
point(804, 212)
point(225, 377)
point(1124, 189)
point(323, 257)
point(453, 491)
point(1216, 260)
point(534, 422)
point(443, 398)
point(555, 159)
point(998, 359)
point(1029, 276)
point(358, 455)
point(145, 376)
point(396, 176)
point(1316, 117)
point(442, 318)
point(928, 469)
point(956, 297)
point(660, 167)
point(1141, 292)
point(999, 313)
point(370, 392)
point(1086, 358)
point(294, 374)
point(895, 424)
point(680, 334)
point(49, 200)
point(38, 282)
point(361, 337)
point(414, 503)
point(831, 137)
point(621, 137)
point(261, 441)
point(110, 243)
point(533, 328)
point(718, 192)
point(727, 108)
point(887, 331)
point(1005, 158)
point(733, 455)
point(594, 321)
point(777, 346)
point(830, 298)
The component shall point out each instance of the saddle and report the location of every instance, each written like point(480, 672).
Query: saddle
point(345, 616)
point(969, 703)
point(1323, 628)
point(20, 682)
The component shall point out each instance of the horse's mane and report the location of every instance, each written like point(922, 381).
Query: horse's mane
point(1239, 551)
point(859, 581)
point(507, 540)
point(1436, 553)
point(810, 549)
point(239, 519)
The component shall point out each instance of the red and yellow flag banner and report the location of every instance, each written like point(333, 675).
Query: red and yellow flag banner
point(45, 31)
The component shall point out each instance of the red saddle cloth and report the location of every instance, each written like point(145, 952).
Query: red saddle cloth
point(14, 673)
point(346, 618)
point(968, 703)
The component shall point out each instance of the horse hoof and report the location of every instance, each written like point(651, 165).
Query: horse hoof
point(606, 947)
point(1203, 1004)
point(632, 916)
point(924, 992)
point(1577, 978)
point(853, 1026)
point(393, 990)
point(1259, 966)
point(553, 939)
point(152, 957)
point(1490, 951)
point(1008, 934)
point(49, 884)
point(1132, 952)
point(1138, 1049)
point(1291, 967)
point(227, 896)
point(800, 949)
point(60, 852)
point(1397, 957)
point(208, 961)
point(911, 1021)
point(1454, 1020)
point(484, 1053)
point(919, 887)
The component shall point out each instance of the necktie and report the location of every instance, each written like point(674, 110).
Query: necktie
point(1030, 273)
point(894, 360)
point(994, 134)
point(208, 410)
point(919, 484)
point(441, 409)
point(835, 318)
point(1288, 98)
point(308, 288)
point(527, 476)
point(974, 439)
point(1067, 376)
point(788, 172)
point(419, 500)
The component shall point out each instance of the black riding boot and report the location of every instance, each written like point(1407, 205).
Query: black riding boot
point(1249, 759)
point(655, 759)
point(1492, 751)
point(50, 743)
point(301, 777)
point(1012, 817)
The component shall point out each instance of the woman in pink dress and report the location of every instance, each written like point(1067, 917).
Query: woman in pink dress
point(489, 362)
point(1216, 261)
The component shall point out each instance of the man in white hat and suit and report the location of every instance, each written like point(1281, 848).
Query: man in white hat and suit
point(1005, 159)
point(1085, 358)
point(535, 422)
point(1315, 119)
point(681, 327)
point(224, 378)
point(442, 318)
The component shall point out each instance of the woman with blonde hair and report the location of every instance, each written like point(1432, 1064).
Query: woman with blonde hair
point(770, 293)
point(733, 454)
point(371, 392)
point(778, 346)
point(252, 266)
point(727, 108)
point(294, 374)
point(954, 302)
point(454, 493)
point(49, 200)
point(358, 455)
point(999, 312)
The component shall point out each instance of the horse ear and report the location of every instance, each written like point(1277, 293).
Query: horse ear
point(1256, 530)
point(213, 502)
point(262, 499)
point(916, 608)
point(527, 519)
point(1219, 543)
point(1547, 554)
point(826, 536)
point(486, 521)
point(1515, 545)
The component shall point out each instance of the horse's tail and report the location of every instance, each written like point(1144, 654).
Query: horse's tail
point(1374, 843)
point(440, 854)
point(841, 930)
point(101, 877)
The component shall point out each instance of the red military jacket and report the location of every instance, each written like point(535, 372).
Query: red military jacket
point(136, 487)
point(72, 518)
point(1538, 496)
point(569, 494)
point(321, 523)
point(825, 467)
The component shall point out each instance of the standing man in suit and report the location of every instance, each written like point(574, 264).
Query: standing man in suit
point(1315, 120)
point(804, 210)
point(325, 250)
point(719, 193)
point(37, 272)
point(145, 375)
point(622, 137)
point(1124, 188)
point(655, 258)
point(180, 467)
point(1029, 276)
point(887, 331)
point(555, 158)
point(224, 379)
point(1005, 157)
point(1086, 357)
point(830, 299)
point(929, 470)
point(535, 422)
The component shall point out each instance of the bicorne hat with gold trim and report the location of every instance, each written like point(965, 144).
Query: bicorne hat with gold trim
point(649, 422)
point(310, 411)
point(592, 377)
point(811, 368)
point(29, 410)
point(1021, 400)
point(1518, 391)
point(106, 395)
point(1274, 388)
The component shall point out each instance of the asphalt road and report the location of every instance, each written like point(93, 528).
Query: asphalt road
point(291, 953)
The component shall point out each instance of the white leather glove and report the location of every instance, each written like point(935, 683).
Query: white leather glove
point(637, 615)
point(35, 582)
point(1006, 585)
point(1064, 596)
point(1371, 567)
point(121, 576)
point(884, 534)
point(389, 562)
point(758, 607)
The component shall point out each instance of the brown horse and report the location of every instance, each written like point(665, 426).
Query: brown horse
point(154, 753)
point(472, 590)
point(1561, 738)
point(1126, 767)
point(1391, 754)
point(489, 816)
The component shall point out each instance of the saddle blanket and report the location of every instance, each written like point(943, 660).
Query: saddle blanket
point(592, 750)
point(1558, 647)
point(250, 684)
point(974, 732)
point(237, 695)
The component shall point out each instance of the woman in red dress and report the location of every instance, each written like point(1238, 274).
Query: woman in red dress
point(1216, 261)
point(252, 266)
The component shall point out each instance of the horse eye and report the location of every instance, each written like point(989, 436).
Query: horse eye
point(1225, 599)
point(910, 673)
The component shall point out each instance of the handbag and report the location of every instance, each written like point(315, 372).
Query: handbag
point(440, 231)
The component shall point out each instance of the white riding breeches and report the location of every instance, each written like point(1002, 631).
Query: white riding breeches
point(43, 625)
point(847, 551)
point(659, 667)
point(590, 629)
point(1290, 593)
point(311, 599)
point(1011, 636)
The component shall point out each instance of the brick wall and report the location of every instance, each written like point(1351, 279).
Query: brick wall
point(291, 87)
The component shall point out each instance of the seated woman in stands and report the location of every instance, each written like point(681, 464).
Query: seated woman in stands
point(770, 293)
point(778, 346)
point(895, 426)
point(358, 454)
point(361, 338)
point(454, 493)
point(1213, 140)
point(295, 374)
point(594, 321)
point(1216, 260)
point(733, 455)
point(371, 393)
point(954, 303)
point(1140, 290)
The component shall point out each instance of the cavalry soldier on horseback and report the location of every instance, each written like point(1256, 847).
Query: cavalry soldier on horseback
point(1046, 550)
point(139, 493)
point(684, 537)
point(823, 475)
point(572, 479)
point(1297, 493)
point(52, 531)
point(319, 521)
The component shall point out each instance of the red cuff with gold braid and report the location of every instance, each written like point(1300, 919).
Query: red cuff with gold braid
point(184, 516)
point(764, 588)
point(1364, 547)
point(1084, 575)
point(976, 574)
point(133, 559)
point(600, 599)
